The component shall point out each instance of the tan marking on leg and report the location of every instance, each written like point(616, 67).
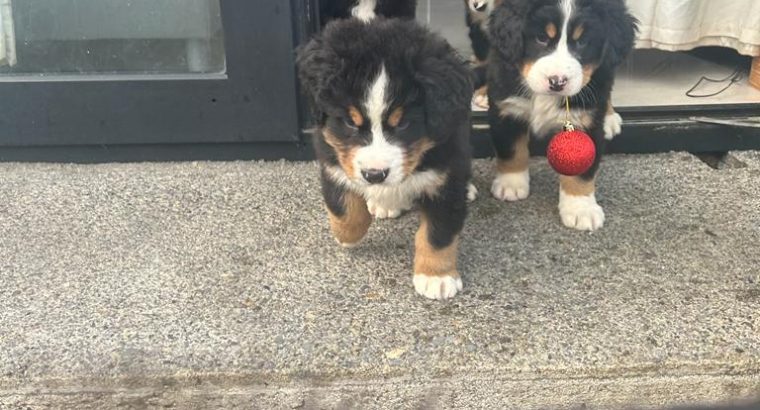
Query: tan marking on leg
point(519, 161)
point(414, 154)
point(587, 120)
point(395, 118)
point(578, 32)
point(576, 186)
point(344, 152)
point(351, 227)
point(476, 62)
point(431, 261)
point(588, 72)
point(551, 30)
point(356, 116)
point(610, 108)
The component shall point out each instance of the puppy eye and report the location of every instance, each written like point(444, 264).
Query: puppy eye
point(543, 39)
point(403, 124)
point(581, 42)
point(350, 124)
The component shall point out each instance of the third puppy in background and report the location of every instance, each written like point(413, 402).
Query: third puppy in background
point(477, 15)
point(544, 51)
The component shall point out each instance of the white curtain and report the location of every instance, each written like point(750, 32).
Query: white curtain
point(685, 24)
point(7, 34)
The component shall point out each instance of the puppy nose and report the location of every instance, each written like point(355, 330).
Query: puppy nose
point(557, 83)
point(375, 176)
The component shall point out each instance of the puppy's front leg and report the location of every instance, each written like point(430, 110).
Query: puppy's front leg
point(510, 139)
point(436, 245)
point(348, 213)
point(577, 200)
point(613, 123)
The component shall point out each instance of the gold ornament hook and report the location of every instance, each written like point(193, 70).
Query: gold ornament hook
point(568, 124)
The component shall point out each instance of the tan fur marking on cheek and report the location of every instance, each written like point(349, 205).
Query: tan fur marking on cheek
point(519, 161)
point(351, 227)
point(395, 118)
point(430, 261)
point(414, 154)
point(551, 30)
point(344, 152)
point(588, 72)
point(578, 32)
point(577, 186)
point(527, 66)
point(356, 116)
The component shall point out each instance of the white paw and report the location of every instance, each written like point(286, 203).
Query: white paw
point(381, 212)
point(472, 192)
point(613, 125)
point(480, 101)
point(347, 245)
point(580, 212)
point(437, 287)
point(512, 186)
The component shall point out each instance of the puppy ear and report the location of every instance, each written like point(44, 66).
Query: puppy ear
point(506, 28)
point(621, 28)
point(446, 84)
point(318, 68)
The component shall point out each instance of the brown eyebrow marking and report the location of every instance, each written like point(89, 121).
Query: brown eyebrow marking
point(551, 30)
point(395, 118)
point(356, 116)
point(578, 32)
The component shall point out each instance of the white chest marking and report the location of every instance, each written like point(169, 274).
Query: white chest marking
point(543, 113)
point(395, 196)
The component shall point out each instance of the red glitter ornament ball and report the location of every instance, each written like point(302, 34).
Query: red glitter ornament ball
point(571, 152)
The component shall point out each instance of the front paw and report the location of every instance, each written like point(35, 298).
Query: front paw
point(511, 186)
point(581, 212)
point(437, 287)
point(613, 125)
point(472, 192)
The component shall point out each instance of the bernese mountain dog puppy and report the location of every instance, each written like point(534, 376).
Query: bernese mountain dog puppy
point(477, 14)
point(391, 103)
point(366, 10)
point(542, 52)
point(476, 17)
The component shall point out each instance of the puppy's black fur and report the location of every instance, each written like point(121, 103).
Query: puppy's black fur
point(340, 9)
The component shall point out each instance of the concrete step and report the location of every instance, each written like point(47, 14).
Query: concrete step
point(217, 285)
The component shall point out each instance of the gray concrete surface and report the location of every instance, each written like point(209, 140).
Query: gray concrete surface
point(217, 285)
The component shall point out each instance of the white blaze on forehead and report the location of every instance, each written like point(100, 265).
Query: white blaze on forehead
point(375, 102)
point(567, 7)
point(379, 154)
